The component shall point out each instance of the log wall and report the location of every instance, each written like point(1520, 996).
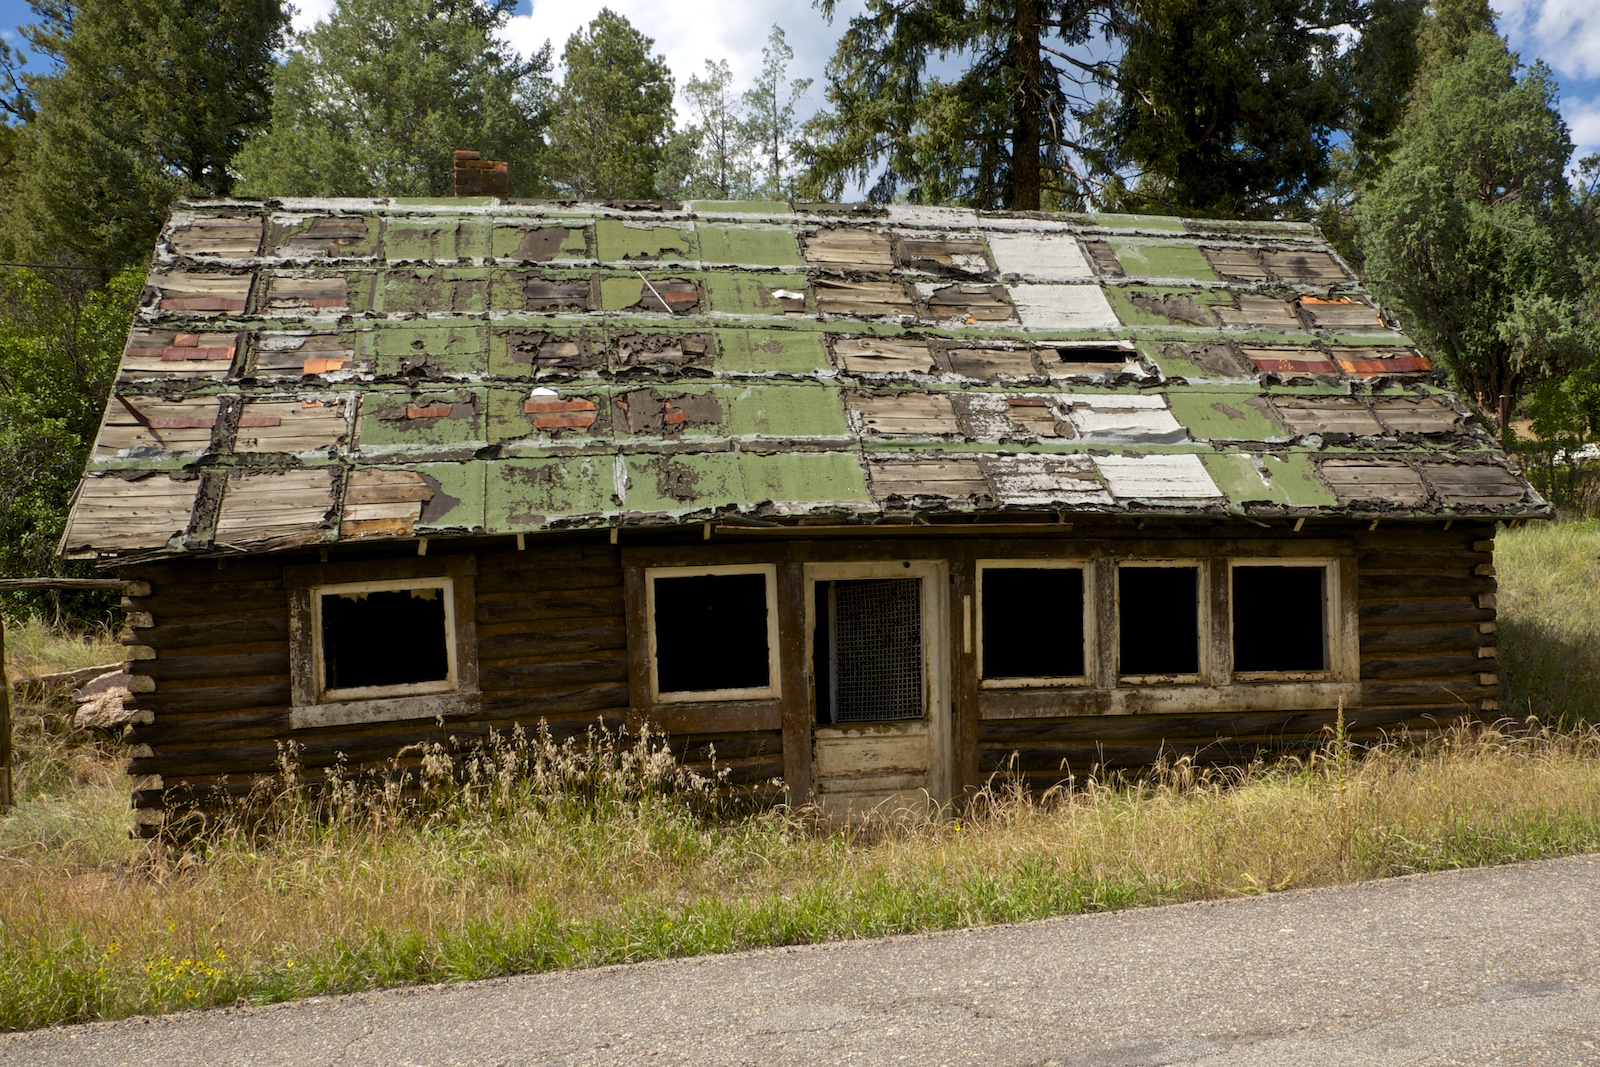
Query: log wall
point(210, 642)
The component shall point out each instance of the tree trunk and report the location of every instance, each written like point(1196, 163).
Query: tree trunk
point(1025, 191)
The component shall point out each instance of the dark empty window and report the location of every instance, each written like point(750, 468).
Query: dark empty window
point(1158, 618)
point(711, 633)
point(1279, 622)
point(384, 637)
point(1032, 622)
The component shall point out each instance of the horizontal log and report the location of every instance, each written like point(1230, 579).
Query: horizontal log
point(173, 729)
point(1464, 692)
point(554, 606)
point(1388, 587)
point(564, 674)
point(1423, 612)
point(1396, 668)
point(1182, 727)
point(224, 632)
point(217, 698)
point(1156, 700)
point(729, 717)
point(1424, 639)
point(511, 649)
point(8, 585)
point(220, 668)
point(609, 698)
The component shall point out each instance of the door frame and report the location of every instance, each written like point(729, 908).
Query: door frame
point(935, 577)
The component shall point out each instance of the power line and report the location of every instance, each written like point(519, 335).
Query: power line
point(58, 266)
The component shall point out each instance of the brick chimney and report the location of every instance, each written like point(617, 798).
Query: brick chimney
point(476, 176)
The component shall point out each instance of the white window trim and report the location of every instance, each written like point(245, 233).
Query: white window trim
point(377, 692)
point(770, 691)
point(1089, 635)
point(1331, 637)
point(1202, 622)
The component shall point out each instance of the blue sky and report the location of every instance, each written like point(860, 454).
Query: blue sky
point(1564, 33)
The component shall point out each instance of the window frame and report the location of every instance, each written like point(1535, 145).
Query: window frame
point(771, 691)
point(312, 705)
point(1090, 634)
point(449, 684)
point(1203, 597)
point(1331, 616)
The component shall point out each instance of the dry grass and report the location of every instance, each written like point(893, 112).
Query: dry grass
point(538, 856)
point(620, 857)
point(33, 647)
point(1549, 575)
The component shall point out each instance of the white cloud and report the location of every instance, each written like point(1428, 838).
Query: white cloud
point(1564, 33)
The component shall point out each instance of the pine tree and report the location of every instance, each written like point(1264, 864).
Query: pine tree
point(375, 101)
point(152, 100)
point(613, 113)
point(1471, 230)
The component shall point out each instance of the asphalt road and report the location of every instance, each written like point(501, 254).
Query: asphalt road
point(1498, 966)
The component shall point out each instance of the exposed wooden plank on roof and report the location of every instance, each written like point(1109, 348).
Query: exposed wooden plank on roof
point(1377, 362)
point(930, 476)
point(280, 507)
point(112, 513)
point(556, 294)
point(849, 248)
point(177, 354)
point(864, 300)
point(869, 356)
point(958, 253)
point(991, 364)
point(1426, 414)
point(1341, 313)
point(292, 425)
point(971, 303)
point(1237, 264)
point(196, 293)
point(329, 236)
point(1130, 417)
point(325, 295)
point(1045, 480)
point(662, 350)
point(998, 416)
point(151, 425)
point(300, 354)
point(1256, 310)
point(1304, 267)
point(383, 503)
point(1465, 484)
point(1290, 362)
point(225, 236)
point(904, 414)
point(1327, 415)
point(1373, 481)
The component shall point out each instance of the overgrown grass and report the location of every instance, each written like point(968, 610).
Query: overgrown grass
point(1549, 577)
point(33, 647)
point(619, 857)
point(538, 856)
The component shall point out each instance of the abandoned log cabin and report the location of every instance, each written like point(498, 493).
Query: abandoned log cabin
point(874, 500)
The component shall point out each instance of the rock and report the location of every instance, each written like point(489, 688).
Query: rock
point(104, 710)
point(112, 677)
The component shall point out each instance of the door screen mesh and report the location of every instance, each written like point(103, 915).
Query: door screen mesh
point(876, 631)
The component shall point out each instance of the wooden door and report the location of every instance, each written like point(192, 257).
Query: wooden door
point(877, 653)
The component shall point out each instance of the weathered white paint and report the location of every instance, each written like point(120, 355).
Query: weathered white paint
point(1046, 480)
point(1157, 477)
point(1124, 417)
point(1063, 307)
point(1046, 257)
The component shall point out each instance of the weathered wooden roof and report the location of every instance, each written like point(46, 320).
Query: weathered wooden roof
point(318, 371)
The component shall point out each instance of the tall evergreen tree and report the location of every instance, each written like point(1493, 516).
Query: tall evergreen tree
point(151, 99)
point(613, 112)
point(1471, 230)
point(375, 100)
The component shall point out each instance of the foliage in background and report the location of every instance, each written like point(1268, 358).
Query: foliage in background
point(152, 100)
point(1229, 108)
point(1549, 596)
point(375, 100)
point(771, 127)
point(613, 113)
point(709, 159)
point(59, 349)
point(1471, 230)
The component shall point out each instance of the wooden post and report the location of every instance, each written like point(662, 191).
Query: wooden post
point(5, 724)
point(795, 672)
